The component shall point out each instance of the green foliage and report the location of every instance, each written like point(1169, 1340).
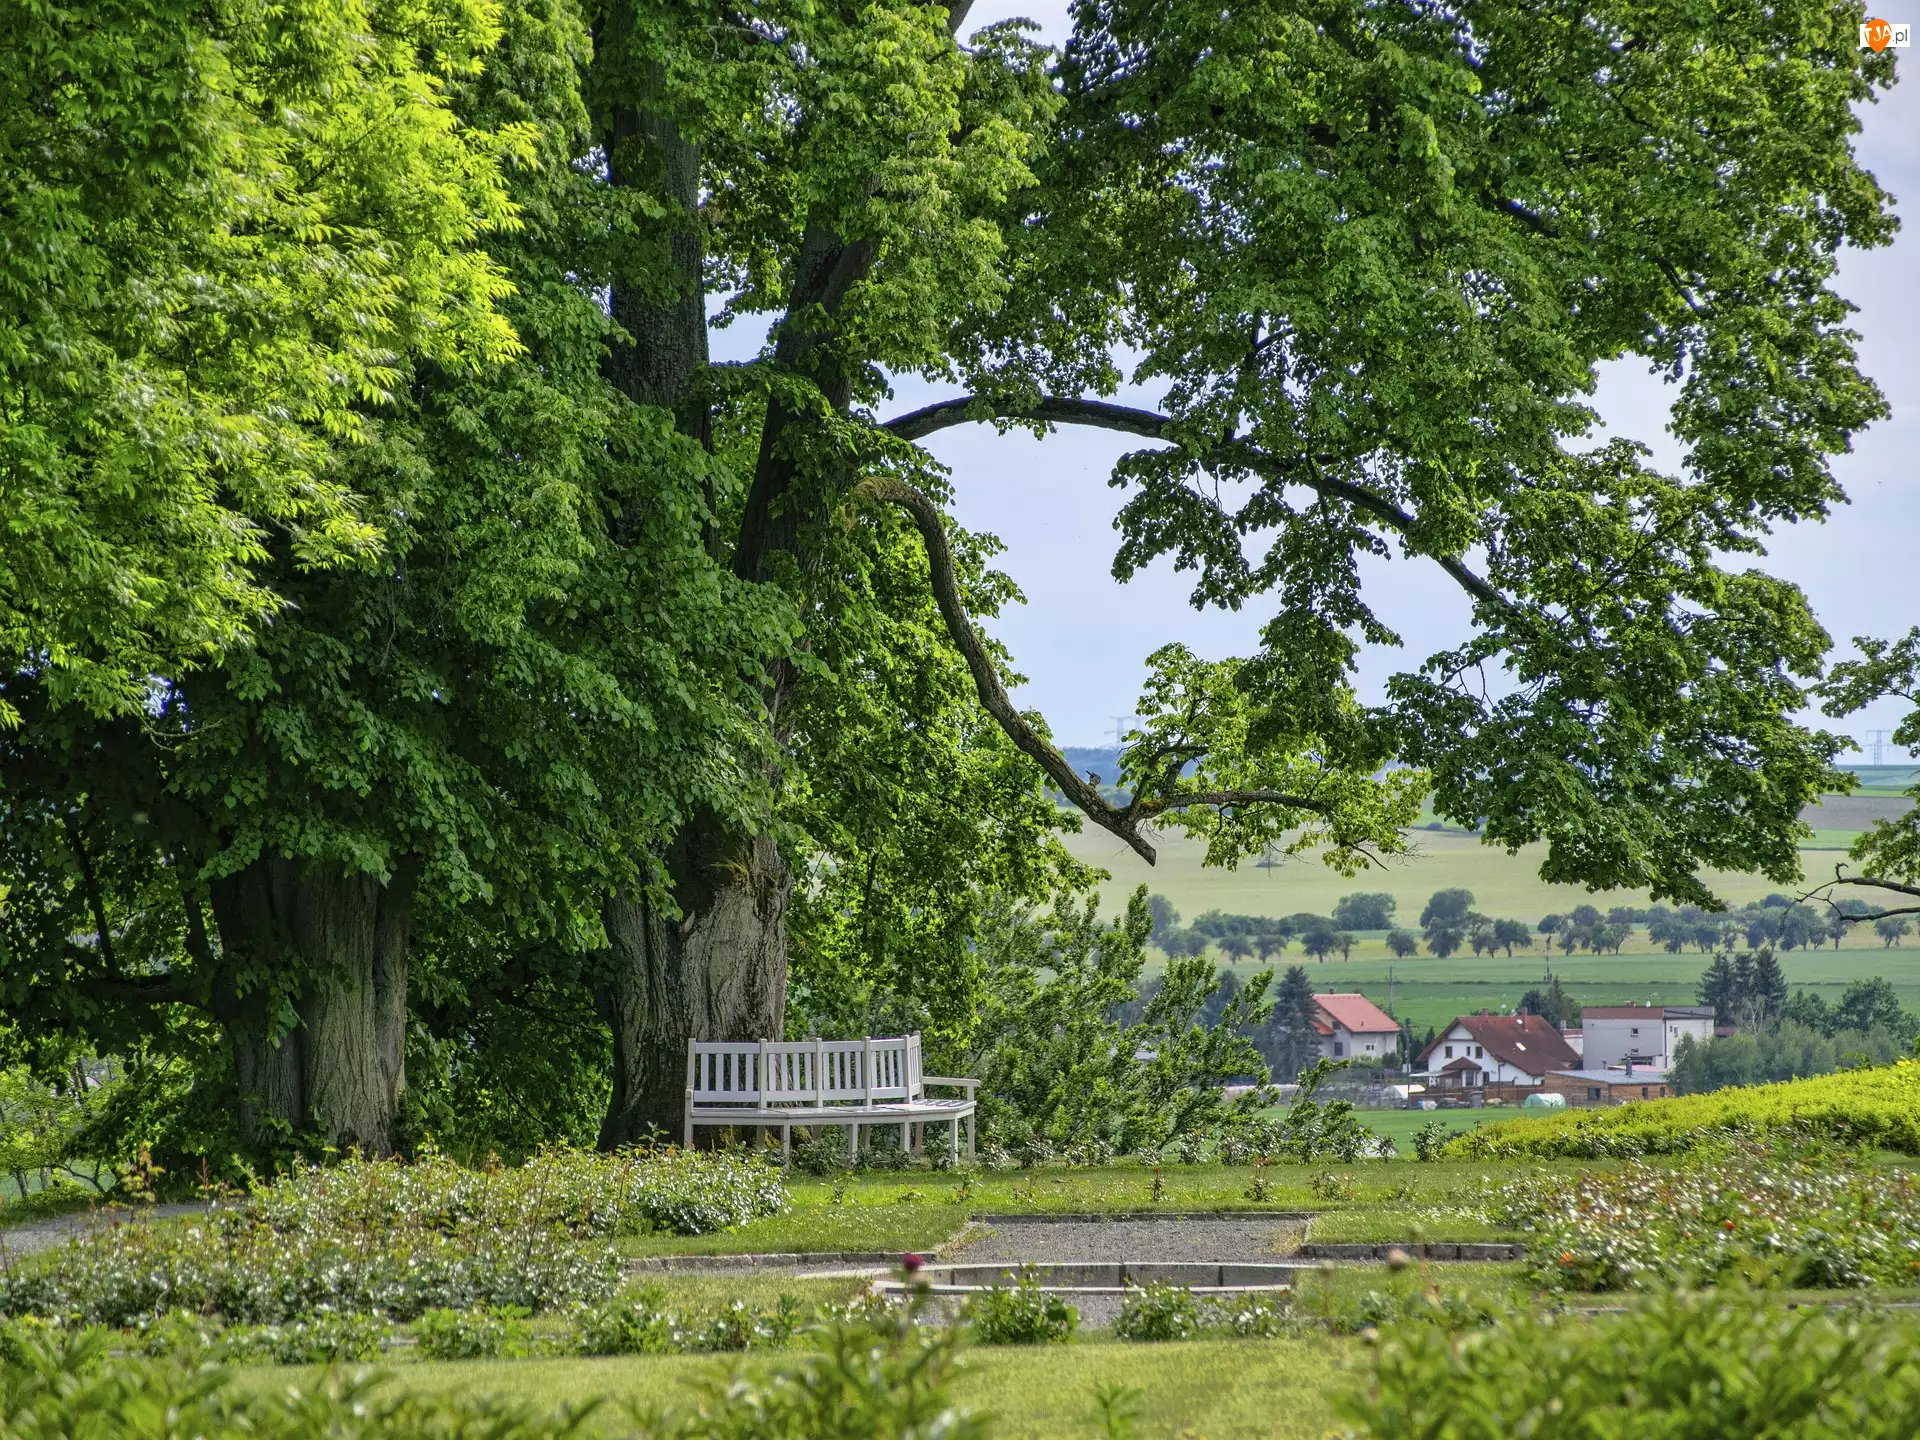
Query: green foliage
point(1056, 1067)
point(1428, 1140)
point(1157, 1312)
point(214, 282)
point(634, 1323)
point(872, 1372)
point(1879, 1106)
point(1687, 1365)
point(1788, 1051)
point(1553, 1004)
point(1814, 1220)
point(398, 1239)
point(476, 1334)
point(1890, 849)
point(1314, 1129)
point(1369, 910)
point(1020, 1314)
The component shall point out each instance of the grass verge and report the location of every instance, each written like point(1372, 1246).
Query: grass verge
point(1216, 1388)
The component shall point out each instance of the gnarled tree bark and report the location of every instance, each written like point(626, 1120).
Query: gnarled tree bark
point(339, 1070)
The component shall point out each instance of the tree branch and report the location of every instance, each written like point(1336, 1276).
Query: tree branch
point(1151, 425)
point(946, 593)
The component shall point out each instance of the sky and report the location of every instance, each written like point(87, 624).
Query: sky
point(1082, 638)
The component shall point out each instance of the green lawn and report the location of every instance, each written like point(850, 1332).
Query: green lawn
point(1214, 1388)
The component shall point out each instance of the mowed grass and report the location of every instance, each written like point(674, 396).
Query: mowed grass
point(870, 1213)
point(1430, 991)
point(1216, 1388)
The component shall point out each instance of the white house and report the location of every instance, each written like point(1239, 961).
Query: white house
point(1489, 1049)
point(1352, 1027)
point(1645, 1035)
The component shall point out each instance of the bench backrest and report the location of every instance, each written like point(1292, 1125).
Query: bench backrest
point(804, 1072)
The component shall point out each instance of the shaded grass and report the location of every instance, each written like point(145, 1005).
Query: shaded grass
point(1216, 1388)
point(17, 1209)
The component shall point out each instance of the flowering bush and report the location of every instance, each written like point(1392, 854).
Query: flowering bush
point(1879, 1107)
point(1780, 1219)
point(1158, 1312)
point(628, 1193)
point(397, 1239)
point(1021, 1314)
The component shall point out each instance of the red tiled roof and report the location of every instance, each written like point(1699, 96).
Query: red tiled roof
point(1526, 1042)
point(1356, 1014)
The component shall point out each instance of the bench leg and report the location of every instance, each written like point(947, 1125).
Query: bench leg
point(971, 1124)
point(853, 1145)
point(953, 1141)
point(906, 1137)
point(786, 1144)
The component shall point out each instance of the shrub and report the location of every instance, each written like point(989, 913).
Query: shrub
point(586, 1194)
point(1428, 1140)
point(477, 1334)
point(1249, 1316)
point(1774, 1219)
point(1687, 1366)
point(231, 1265)
point(635, 1324)
point(395, 1238)
point(1158, 1312)
point(876, 1373)
point(1326, 1185)
point(322, 1340)
point(1020, 1314)
point(1854, 1107)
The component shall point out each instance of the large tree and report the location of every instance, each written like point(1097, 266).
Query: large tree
point(501, 713)
point(666, 664)
point(1372, 256)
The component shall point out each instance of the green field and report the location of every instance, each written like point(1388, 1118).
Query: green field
point(1429, 991)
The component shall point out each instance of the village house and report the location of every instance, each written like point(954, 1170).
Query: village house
point(1352, 1027)
point(1485, 1049)
point(1644, 1036)
point(1608, 1087)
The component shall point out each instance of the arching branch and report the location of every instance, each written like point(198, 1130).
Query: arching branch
point(1870, 882)
point(1124, 823)
point(1151, 425)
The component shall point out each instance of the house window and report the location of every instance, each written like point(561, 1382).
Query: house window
point(1643, 1093)
point(1593, 1092)
point(1338, 1048)
point(1479, 1052)
point(1449, 1052)
point(1369, 1047)
point(1636, 1029)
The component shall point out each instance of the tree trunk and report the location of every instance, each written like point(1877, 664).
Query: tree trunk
point(717, 973)
point(331, 946)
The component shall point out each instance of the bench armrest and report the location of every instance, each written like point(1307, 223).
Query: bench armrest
point(959, 1082)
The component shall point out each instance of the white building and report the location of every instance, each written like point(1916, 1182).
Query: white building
point(1483, 1049)
point(1643, 1035)
point(1352, 1027)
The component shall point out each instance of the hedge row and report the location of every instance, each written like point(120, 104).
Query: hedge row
point(1879, 1107)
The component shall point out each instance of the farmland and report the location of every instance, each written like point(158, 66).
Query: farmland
point(1429, 991)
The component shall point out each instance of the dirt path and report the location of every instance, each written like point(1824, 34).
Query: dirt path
point(37, 1235)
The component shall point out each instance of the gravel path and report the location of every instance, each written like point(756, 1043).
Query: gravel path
point(38, 1235)
point(1236, 1238)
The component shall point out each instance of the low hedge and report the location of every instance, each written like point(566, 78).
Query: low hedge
point(1878, 1107)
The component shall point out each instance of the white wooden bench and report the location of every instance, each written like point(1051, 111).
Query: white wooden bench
point(856, 1083)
